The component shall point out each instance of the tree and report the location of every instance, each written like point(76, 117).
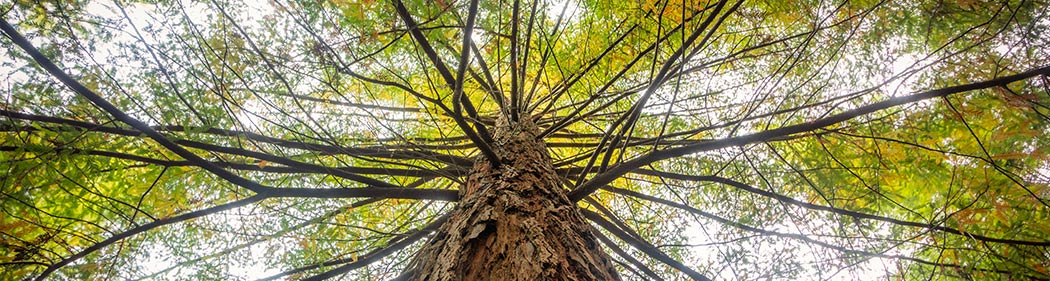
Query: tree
point(591, 140)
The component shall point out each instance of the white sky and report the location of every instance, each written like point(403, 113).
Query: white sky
point(872, 269)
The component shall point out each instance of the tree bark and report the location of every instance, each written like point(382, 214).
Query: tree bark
point(513, 222)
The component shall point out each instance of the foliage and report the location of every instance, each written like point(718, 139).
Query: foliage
point(745, 139)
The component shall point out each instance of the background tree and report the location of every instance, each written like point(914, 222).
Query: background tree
point(686, 139)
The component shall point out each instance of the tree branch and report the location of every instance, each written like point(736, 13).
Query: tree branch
point(628, 166)
point(642, 245)
point(482, 141)
point(145, 227)
point(377, 254)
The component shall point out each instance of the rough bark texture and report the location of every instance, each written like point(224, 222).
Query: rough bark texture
point(514, 222)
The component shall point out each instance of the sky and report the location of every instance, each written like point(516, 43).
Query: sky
point(140, 15)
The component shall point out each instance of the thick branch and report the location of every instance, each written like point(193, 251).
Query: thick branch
point(623, 254)
point(483, 140)
point(323, 149)
point(792, 201)
point(377, 254)
point(628, 166)
point(120, 115)
point(146, 227)
point(642, 245)
point(801, 237)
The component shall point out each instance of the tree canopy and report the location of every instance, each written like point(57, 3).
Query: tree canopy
point(733, 139)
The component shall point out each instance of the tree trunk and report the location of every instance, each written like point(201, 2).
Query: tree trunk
point(514, 222)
